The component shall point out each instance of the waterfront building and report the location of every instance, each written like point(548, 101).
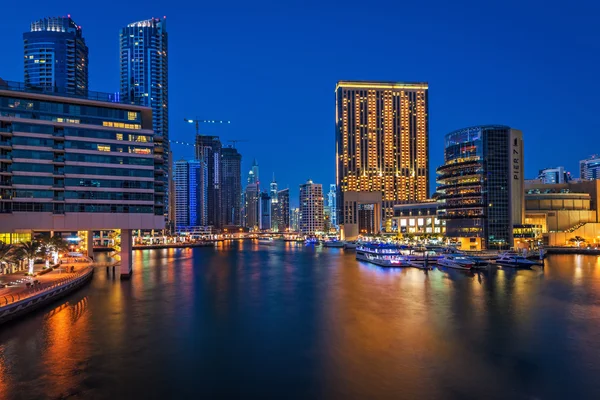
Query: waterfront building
point(78, 164)
point(419, 219)
point(251, 206)
point(563, 211)
point(481, 185)
point(331, 204)
point(265, 211)
point(382, 133)
point(295, 219)
point(56, 56)
point(553, 175)
point(144, 81)
point(208, 149)
point(311, 208)
point(190, 194)
point(589, 169)
point(281, 211)
point(231, 187)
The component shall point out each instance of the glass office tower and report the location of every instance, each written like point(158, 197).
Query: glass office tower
point(481, 185)
point(56, 56)
point(144, 79)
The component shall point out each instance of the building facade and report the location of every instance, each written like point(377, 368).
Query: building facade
point(295, 219)
point(208, 149)
point(190, 194)
point(251, 206)
point(281, 211)
point(311, 208)
point(144, 81)
point(419, 219)
point(553, 175)
point(481, 185)
point(589, 169)
point(253, 175)
point(382, 146)
point(332, 205)
point(56, 56)
point(264, 210)
point(78, 164)
point(231, 187)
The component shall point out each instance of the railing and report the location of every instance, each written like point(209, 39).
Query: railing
point(61, 91)
point(35, 290)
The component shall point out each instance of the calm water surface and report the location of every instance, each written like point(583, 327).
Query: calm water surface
point(248, 320)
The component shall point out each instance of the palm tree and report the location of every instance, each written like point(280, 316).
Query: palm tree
point(6, 254)
point(54, 246)
point(31, 250)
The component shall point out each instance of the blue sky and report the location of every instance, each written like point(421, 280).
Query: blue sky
point(271, 68)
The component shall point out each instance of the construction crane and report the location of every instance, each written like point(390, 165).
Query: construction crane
point(234, 141)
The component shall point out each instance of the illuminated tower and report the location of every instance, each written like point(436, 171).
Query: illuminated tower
point(56, 56)
point(382, 132)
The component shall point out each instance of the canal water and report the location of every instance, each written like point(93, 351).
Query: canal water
point(288, 321)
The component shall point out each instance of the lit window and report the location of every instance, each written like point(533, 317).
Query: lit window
point(103, 148)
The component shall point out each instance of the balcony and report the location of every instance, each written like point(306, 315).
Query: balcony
point(6, 143)
point(5, 158)
point(59, 147)
point(58, 160)
point(6, 129)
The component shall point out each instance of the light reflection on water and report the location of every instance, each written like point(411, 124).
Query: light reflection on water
point(294, 321)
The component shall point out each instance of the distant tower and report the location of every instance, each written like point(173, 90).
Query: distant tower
point(231, 186)
point(56, 56)
point(189, 194)
point(208, 149)
point(589, 169)
point(331, 203)
point(251, 206)
point(273, 190)
point(311, 208)
point(265, 212)
point(255, 173)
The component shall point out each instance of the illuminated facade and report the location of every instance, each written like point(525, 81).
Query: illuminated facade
point(281, 211)
point(419, 219)
point(190, 194)
point(311, 208)
point(382, 133)
point(481, 185)
point(231, 187)
point(144, 81)
point(56, 56)
point(589, 169)
point(208, 149)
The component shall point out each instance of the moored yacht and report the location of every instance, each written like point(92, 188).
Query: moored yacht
point(266, 240)
point(512, 259)
point(382, 255)
point(458, 261)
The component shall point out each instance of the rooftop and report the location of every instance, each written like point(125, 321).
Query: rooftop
point(382, 85)
point(60, 92)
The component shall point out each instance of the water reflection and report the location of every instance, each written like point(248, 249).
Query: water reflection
point(291, 321)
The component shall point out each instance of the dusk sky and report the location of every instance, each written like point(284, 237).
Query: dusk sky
point(271, 68)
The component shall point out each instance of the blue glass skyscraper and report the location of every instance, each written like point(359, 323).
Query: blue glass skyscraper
point(144, 79)
point(56, 56)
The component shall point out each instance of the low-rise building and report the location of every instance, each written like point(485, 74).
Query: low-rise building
point(418, 219)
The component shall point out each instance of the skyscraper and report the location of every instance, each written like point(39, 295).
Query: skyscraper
point(253, 175)
point(281, 211)
point(190, 179)
point(589, 169)
point(231, 186)
point(311, 208)
point(251, 206)
point(208, 149)
point(144, 80)
point(265, 211)
point(382, 132)
point(481, 185)
point(56, 56)
point(295, 219)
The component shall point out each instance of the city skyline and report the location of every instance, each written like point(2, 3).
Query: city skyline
point(200, 95)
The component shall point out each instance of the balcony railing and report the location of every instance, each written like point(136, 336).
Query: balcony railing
point(61, 91)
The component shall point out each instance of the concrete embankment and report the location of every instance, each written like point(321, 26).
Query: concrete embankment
point(19, 303)
point(572, 250)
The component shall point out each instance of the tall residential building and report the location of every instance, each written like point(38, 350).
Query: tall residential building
point(265, 211)
point(144, 81)
point(208, 148)
point(295, 219)
point(553, 175)
point(251, 206)
point(273, 190)
point(231, 187)
point(481, 185)
point(190, 194)
point(589, 169)
point(382, 134)
point(332, 205)
point(281, 211)
point(311, 208)
point(56, 56)
point(77, 164)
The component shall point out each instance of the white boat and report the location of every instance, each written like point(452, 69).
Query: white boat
point(265, 240)
point(512, 259)
point(457, 261)
point(382, 255)
point(333, 243)
point(350, 245)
